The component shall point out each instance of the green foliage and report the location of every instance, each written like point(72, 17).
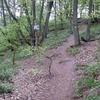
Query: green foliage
point(54, 41)
point(95, 30)
point(39, 52)
point(88, 81)
point(6, 72)
point(1, 59)
point(24, 52)
point(93, 98)
point(5, 87)
point(59, 24)
point(73, 51)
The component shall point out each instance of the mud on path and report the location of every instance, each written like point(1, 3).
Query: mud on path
point(60, 86)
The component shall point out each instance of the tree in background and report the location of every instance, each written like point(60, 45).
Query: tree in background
point(89, 21)
point(75, 24)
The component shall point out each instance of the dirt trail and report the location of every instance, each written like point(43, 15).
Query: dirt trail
point(40, 87)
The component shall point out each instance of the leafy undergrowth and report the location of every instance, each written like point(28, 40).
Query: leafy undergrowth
point(53, 41)
point(1, 59)
point(73, 51)
point(6, 72)
point(95, 31)
point(22, 52)
point(88, 85)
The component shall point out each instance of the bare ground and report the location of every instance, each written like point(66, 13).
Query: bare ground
point(59, 86)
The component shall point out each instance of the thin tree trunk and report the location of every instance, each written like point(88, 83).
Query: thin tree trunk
point(60, 8)
point(55, 20)
point(70, 15)
point(89, 21)
point(41, 16)
point(4, 19)
point(75, 24)
point(34, 19)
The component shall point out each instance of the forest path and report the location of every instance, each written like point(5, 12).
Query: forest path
point(61, 86)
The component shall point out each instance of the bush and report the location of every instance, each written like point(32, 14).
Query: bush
point(6, 72)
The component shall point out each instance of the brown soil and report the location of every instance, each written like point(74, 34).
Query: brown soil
point(59, 86)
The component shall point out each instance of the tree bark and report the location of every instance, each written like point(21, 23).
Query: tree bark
point(71, 18)
point(34, 19)
point(55, 20)
point(3, 13)
point(75, 24)
point(41, 16)
point(50, 4)
point(89, 21)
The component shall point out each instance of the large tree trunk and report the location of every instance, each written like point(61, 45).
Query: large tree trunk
point(50, 4)
point(34, 18)
point(89, 21)
point(75, 24)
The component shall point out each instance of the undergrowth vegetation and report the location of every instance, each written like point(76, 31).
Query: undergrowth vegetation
point(88, 86)
point(73, 51)
point(55, 41)
point(6, 72)
point(94, 31)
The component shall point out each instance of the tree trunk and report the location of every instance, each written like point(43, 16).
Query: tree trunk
point(4, 19)
point(55, 20)
point(89, 21)
point(41, 16)
point(70, 15)
point(34, 19)
point(60, 8)
point(50, 4)
point(75, 24)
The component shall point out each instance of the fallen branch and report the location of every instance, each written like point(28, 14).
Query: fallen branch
point(64, 61)
point(2, 54)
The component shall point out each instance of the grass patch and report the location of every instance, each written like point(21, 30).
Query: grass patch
point(1, 59)
point(73, 51)
point(93, 98)
point(22, 52)
point(6, 72)
point(54, 41)
point(90, 81)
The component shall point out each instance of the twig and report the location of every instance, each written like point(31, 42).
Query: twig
point(64, 61)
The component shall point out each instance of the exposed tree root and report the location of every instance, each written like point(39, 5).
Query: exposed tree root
point(50, 58)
